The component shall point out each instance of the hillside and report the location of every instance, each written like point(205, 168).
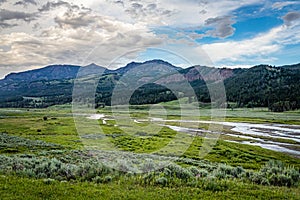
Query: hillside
point(154, 81)
point(275, 87)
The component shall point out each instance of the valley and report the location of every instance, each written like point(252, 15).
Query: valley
point(150, 151)
point(148, 99)
point(151, 126)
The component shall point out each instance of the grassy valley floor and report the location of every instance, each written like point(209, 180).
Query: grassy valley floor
point(44, 156)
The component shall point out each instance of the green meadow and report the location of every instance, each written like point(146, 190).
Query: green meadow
point(45, 154)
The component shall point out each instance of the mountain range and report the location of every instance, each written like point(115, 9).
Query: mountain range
point(155, 81)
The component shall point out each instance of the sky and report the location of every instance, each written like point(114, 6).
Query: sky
point(111, 33)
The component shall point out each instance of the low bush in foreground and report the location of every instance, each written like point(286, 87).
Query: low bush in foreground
point(83, 166)
point(15, 144)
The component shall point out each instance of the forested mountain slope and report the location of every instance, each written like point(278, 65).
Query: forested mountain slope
point(155, 81)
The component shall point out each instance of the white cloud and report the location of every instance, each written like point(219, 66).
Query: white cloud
point(25, 3)
point(291, 17)
point(68, 30)
point(197, 12)
point(258, 49)
point(70, 38)
point(176, 13)
point(280, 5)
point(223, 26)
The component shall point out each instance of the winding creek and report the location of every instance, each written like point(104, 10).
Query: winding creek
point(277, 137)
point(263, 135)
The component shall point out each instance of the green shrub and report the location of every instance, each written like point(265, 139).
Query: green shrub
point(275, 173)
point(224, 171)
point(264, 181)
point(203, 173)
point(161, 181)
point(257, 177)
point(107, 179)
point(15, 144)
point(167, 172)
point(124, 166)
point(194, 170)
point(280, 180)
point(80, 165)
point(180, 172)
point(293, 174)
point(148, 166)
point(238, 172)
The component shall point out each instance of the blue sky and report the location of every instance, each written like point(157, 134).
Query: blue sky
point(111, 33)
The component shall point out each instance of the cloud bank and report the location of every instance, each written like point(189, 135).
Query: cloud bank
point(38, 33)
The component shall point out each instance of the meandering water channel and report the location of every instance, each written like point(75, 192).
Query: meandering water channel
point(277, 137)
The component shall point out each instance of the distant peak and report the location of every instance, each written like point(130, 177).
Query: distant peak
point(158, 61)
point(134, 63)
point(92, 65)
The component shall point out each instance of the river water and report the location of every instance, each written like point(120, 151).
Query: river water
point(275, 137)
